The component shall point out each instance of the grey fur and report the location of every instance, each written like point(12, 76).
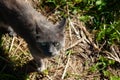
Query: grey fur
point(43, 37)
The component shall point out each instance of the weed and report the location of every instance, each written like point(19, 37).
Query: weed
point(103, 16)
point(102, 65)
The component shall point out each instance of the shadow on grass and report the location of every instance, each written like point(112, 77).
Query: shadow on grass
point(7, 69)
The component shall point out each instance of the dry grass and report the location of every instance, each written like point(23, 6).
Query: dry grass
point(74, 61)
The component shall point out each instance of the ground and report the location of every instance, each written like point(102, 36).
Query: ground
point(75, 62)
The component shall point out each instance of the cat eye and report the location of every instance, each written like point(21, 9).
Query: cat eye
point(57, 44)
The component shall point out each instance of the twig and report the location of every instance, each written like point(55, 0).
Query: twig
point(116, 55)
point(76, 32)
point(26, 0)
point(87, 34)
point(70, 32)
point(49, 77)
point(74, 44)
point(65, 70)
point(84, 36)
point(21, 49)
point(18, 46)
point(111, 56)
point(11, 44)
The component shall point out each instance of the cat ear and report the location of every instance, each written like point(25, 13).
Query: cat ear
point(61, 25)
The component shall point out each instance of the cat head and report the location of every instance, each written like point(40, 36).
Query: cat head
point(50, 38)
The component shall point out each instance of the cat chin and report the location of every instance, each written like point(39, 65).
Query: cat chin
point(45, 54)
point(52, 54)
point(41, 69)
point(49, 55)
point(55, 53)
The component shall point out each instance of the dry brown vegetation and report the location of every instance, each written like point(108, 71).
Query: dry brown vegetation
point(75, 60)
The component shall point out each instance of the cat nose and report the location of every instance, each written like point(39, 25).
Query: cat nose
point(53, 51)
point(50, 54)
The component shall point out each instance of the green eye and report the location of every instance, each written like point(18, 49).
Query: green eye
point(56, 44)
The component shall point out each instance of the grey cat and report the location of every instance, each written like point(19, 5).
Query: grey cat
point(44, 38)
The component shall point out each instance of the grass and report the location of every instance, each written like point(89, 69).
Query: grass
point(92, 50)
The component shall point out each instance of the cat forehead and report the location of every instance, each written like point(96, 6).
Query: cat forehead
point(54, 36)
point(46, 26)
point(50, 37)
point(50, 32)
